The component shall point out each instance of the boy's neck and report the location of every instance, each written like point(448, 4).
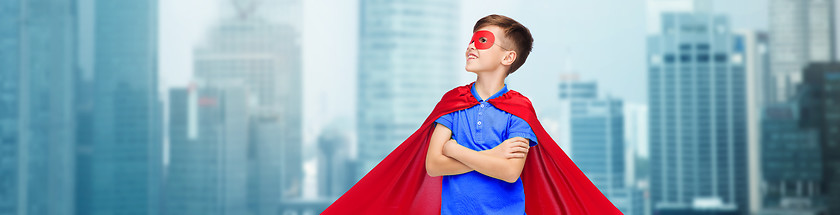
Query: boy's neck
point(489, 83)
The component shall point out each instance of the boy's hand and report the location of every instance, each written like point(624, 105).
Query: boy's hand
point(515, 147)
point(448, 147)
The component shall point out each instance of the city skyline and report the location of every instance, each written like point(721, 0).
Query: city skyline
point(186, 30)
point(339, 74)
point(265, 107)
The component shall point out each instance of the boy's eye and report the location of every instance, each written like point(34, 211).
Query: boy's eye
point(483, 39)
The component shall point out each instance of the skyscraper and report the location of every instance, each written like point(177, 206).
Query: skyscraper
point(37, 76)
point(261, 55)
point(405, 66)
point(208, 134)
point(84, 142)
point(84, 107)
point(800, 32)
point(698, 142)
point(637, 156)
point(126, 155)
point(791, 162)
point(822, 107)
point(570, 89)
point(758, 78)
point(335, 168)
point(597, 133)
point(596, 130)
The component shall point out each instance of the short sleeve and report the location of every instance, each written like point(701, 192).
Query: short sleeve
point(517, 127)
point(446, 120)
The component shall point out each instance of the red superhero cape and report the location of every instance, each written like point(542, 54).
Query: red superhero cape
point(400, 185)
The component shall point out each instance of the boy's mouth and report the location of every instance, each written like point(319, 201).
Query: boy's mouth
point(472, 56)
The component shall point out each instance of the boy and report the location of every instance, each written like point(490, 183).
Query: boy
point(499, 46)
point(469, 154)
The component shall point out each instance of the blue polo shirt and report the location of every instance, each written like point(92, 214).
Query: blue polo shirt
point(479, 128)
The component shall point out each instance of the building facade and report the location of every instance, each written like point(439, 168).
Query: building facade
point(37, 79)
point(405, 66)
point(697, 101)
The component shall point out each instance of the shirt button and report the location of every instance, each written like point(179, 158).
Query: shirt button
point(482, 105)
point(479, 122)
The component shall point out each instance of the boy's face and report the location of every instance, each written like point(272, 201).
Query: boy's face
point(488, 49)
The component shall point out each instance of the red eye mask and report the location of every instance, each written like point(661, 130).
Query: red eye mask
point(483, 39)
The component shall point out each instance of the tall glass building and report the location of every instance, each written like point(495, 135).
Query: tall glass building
point(791, 162)
point(126, 160)
point(247, 48)
point(335, 168)
point(37, 138)
point(405, 66)
point(596, 132)
point(697, 100)
point(208, 136)
point(822, 112)
point(800, 32)
point(570, 89)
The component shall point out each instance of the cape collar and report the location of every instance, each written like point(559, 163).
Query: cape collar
point(478, 97)
point(464, 94)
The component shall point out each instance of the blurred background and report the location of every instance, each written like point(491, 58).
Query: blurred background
point(279, 106)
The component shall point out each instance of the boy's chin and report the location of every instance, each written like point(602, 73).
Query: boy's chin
point(472, 68)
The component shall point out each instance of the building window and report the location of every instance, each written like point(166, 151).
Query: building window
point(720, 58)
point(703, 58)
point(685, 58)
point(669, 58)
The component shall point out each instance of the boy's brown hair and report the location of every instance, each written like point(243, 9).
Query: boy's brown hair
point(515, 32)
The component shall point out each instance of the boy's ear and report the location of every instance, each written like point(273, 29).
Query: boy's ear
point(510, 56)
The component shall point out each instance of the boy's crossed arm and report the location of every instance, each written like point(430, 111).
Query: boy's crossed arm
point(446, 157)
point(493, 165)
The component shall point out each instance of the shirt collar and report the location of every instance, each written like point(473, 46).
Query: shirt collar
point(500, 93)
